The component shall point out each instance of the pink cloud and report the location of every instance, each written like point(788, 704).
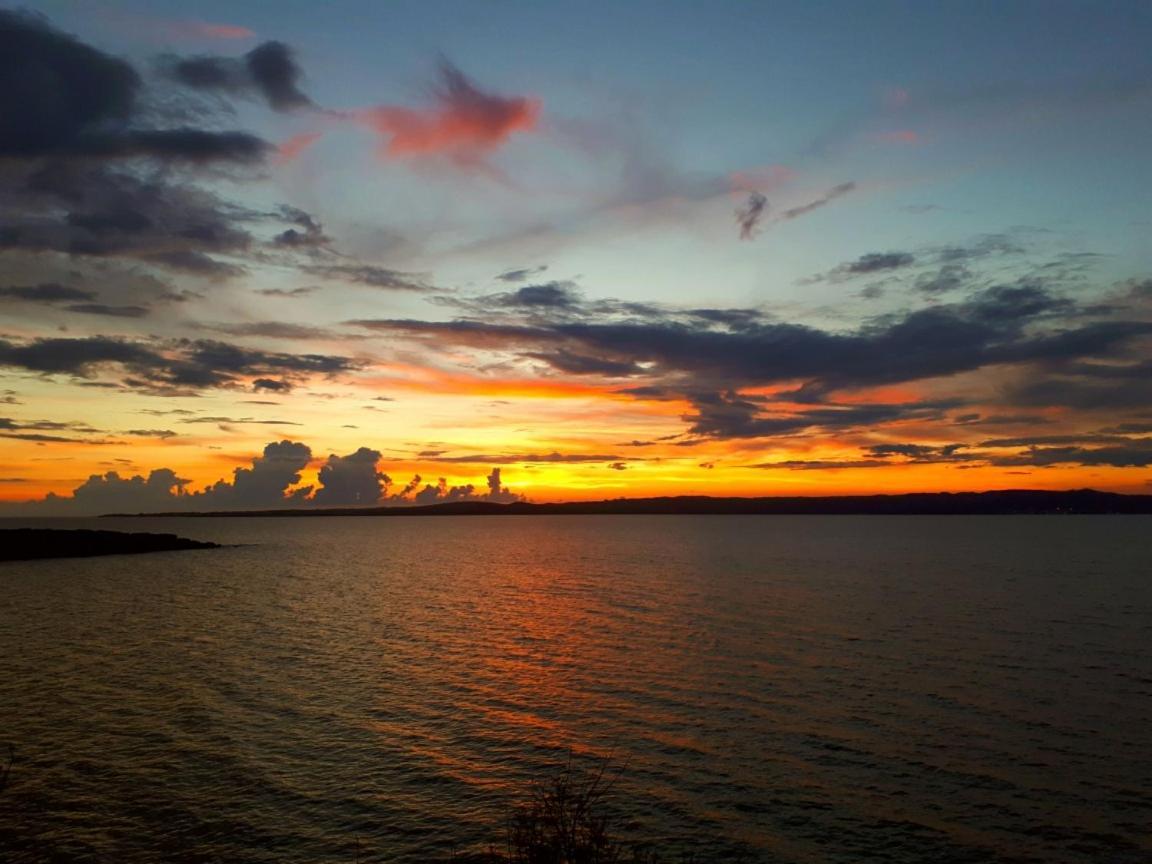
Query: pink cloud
point(465, 124)
point(291, 149)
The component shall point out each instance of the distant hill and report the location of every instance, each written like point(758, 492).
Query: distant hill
point(1003, 502)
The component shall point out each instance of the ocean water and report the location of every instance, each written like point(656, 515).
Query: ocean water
point(793, 689)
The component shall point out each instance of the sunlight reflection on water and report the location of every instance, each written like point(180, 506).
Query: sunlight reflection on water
point(803, 688)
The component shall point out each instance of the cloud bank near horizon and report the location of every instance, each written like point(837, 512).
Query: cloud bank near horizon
point(271, 481)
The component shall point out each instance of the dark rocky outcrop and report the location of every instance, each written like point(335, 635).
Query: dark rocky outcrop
point(25, 544)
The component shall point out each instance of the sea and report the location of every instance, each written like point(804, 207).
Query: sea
point(954, 690)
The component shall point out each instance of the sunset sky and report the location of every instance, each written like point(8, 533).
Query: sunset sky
point(368, 252)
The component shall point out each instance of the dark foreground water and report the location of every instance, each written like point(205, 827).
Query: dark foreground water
point(824, 689)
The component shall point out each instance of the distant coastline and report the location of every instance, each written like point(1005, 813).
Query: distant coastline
point(993, 503)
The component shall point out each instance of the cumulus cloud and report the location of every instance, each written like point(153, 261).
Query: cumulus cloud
point(352, 479)
point(271, 481)
point(265, 484)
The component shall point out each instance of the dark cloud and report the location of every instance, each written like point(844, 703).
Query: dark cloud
point(142, 215)
point(441, 492)
point(1137, 454)
point(60, 97)
point(522, 274)
point(271, 385)
point(984, 246)
point(110, 311)
point(827, 198)
point(915, 452)
point(270, 481)
point(877, 262)
point(268, 70)
point(240, 421)
point(111, 493)
point(517, 458)
point(867, 265)
point(497, 491)
point(54, 90)
point(288, 292)
point(307, 233)
point(583, 364)
point(949, 277)
point(728, 415)
point(556, 295)
point(273, 330)
point(75, 356)
point(748, 217)
point(823, 464)
point(372, 276)
point(275, 72)
point(182, 365)
point(36, 431)
point(46, 293)
point(265, 484)
point(706, 356)
point(989, 328)
point(352, 479)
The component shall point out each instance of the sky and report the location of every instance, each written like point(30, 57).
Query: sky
point(298, 254)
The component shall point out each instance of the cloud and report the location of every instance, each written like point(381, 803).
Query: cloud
point(352, 479)
point(109, 311)
point(270, 385)
point(262, 485)
point(748, 217)
point(183, 365)
point(111, 493)
point(288, 292)
point(464, 125)
point(706, 357)
point(877, 262)
point(265, 484)
point(827, 198)
point(370, 275)
point(60, 97)
point(950, 277)
point(869, 264)
point(294, 147)
point(991, 327)
point(46, 293)
point(517, 458)
point(522, 274)
point(728, 416)
point(274, 70)
point(441, 492)
point(556, 295)
point(268, 70)
point(88, 210)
